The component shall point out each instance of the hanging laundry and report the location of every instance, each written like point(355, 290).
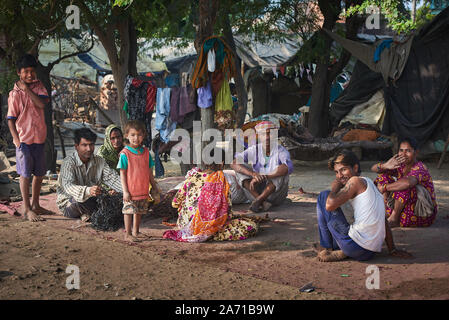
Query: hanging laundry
point(151, 98)
point(223, 60)
point(205, 96)
point(282, 70)
point(276, 74)
point(186, 104)
point(217, 79)
point(223, 107)
point(138, 102)
point(163, 123)
point(174, 105)
point(172, 80)
point(180, 104)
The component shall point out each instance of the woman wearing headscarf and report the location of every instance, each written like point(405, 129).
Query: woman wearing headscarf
point(112, 145)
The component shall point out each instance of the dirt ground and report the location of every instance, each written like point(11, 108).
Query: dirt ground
point(272, 265)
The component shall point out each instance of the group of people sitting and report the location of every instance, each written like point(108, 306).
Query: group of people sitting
point(402, 195)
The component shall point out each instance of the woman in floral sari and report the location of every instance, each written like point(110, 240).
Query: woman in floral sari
point(407, 188)
point(204, 208)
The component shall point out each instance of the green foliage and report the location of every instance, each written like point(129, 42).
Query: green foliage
point(423, 15)
point(394, 11)
point(7, 78)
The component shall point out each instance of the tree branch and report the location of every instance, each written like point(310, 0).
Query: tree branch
point(52, 64)
point(44, 34)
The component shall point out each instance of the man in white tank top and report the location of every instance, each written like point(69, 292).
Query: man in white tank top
point(365, 236)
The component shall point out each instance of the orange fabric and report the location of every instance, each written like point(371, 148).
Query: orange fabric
point(360, 135)
point(208, 223)
point(138, 174)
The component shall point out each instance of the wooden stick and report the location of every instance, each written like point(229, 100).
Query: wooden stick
point(58, 130)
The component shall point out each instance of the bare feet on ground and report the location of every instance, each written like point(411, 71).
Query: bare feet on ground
point(266, 205)
point(140, 235)
point(130, 238)
point(41, 211)
point(318, 248)
point(32, 216)
point(331, 256)
point(255, 206)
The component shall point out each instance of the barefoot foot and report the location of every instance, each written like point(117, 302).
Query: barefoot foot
point(130, 238)
point(266, 205)
point(140, 235)
point(326, 256)
point(318, 248)
point(32, 216)
point(42, 211)
point(255, 206)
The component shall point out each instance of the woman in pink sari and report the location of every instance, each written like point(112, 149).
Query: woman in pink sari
point(407, 182)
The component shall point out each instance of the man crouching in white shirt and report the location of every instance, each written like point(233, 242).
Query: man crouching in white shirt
point(365, 236)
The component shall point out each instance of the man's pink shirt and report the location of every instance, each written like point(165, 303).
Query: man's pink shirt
point(30, 120)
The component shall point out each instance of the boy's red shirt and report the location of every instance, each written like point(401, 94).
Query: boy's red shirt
point(30, 120)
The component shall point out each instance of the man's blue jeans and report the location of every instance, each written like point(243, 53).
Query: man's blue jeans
point(333, 229)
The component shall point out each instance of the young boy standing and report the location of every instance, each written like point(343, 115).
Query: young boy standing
point(136, 175)
point(26, 121)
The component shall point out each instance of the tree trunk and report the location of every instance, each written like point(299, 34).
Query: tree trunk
point(242, 95)
point(43, 74)
point(324, 77)
point(319, 105)
point(132, 63)
point(207, 16)
point(118, 58)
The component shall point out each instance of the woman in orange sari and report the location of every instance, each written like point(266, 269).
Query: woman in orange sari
point(204, 208)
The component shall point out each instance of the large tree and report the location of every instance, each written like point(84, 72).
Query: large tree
point(118, 25)
point(24, 25)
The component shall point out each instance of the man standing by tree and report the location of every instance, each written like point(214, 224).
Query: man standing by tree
point(26, 121)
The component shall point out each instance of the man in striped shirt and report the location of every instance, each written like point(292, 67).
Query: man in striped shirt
point(81, 176)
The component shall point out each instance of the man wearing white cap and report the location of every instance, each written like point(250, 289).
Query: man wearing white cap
point(265, 182)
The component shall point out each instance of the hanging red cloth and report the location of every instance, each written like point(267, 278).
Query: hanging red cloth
point(151, 97)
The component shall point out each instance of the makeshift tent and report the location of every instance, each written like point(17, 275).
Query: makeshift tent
point(364, 83)
point(417, 101)
point(87, 64)
point(252, 53)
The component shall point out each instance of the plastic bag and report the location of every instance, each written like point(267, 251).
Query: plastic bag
point(211, 60)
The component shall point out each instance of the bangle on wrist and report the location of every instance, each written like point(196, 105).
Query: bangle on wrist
point(379, 167)
point(385, 187)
